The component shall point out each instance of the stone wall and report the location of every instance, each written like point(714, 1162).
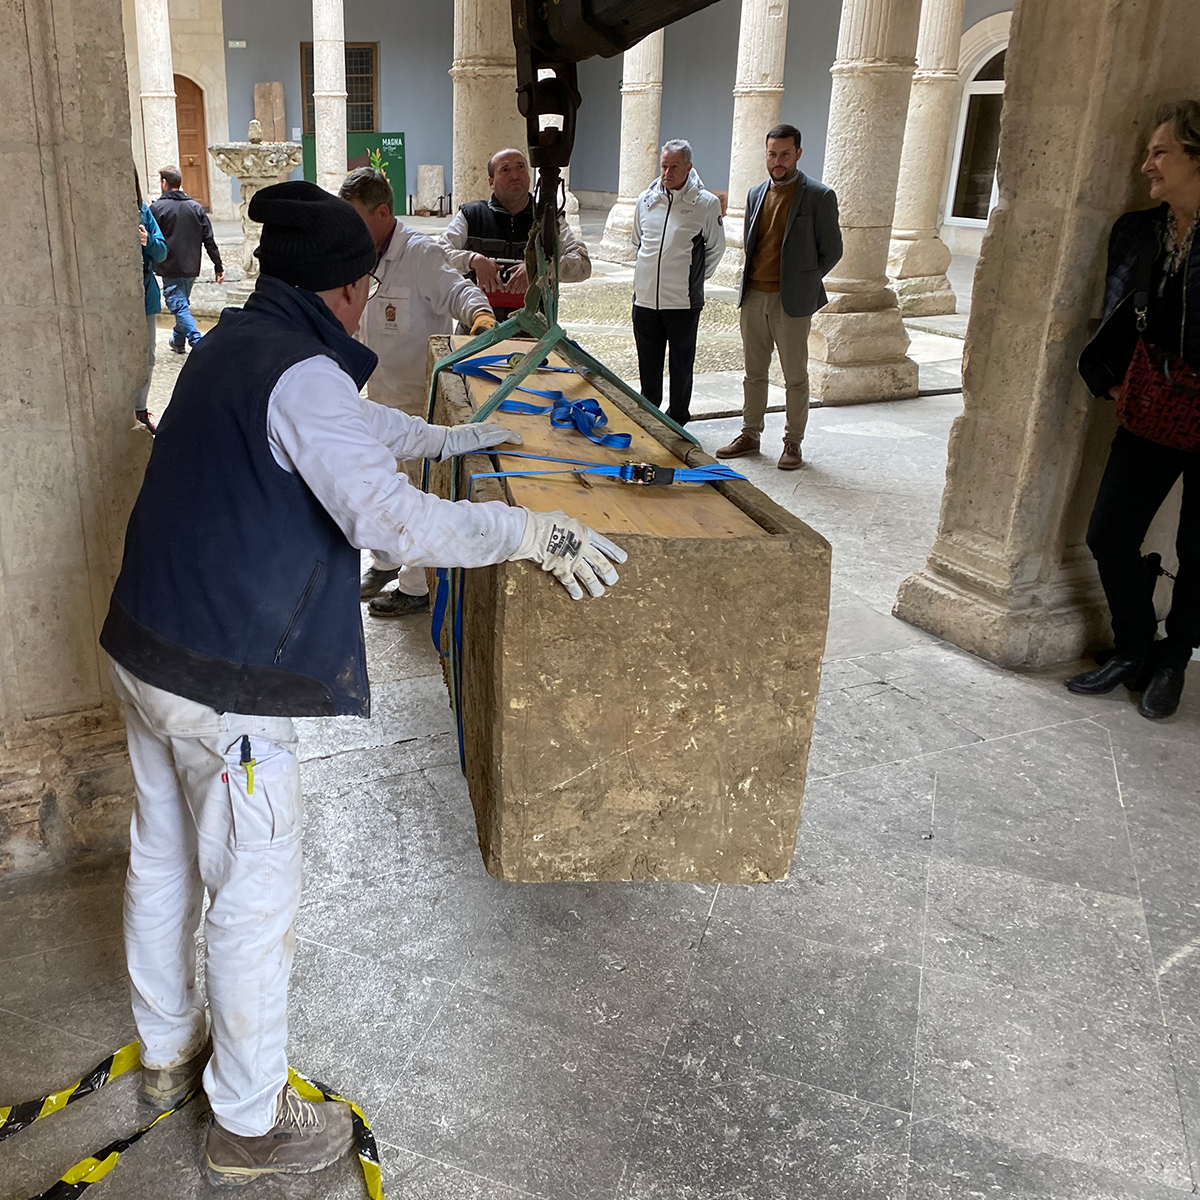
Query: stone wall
point(1009, 576)
point(72, 355)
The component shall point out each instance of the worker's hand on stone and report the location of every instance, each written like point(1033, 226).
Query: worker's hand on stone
point(483, 320)
point(470, 439)
point(487, 272)
point(574, 554)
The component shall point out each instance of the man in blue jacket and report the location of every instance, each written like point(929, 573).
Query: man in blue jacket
point(186, 226)
point(792, 241)
point(236, 609)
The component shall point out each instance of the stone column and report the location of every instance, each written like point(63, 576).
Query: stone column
point(485, 93)
point(157, 89)
point(641, 107)
point(918, 258)
point(329, 93)
point(1009, 577)
point(757, 91)
point(859, 346)
point(72, 356)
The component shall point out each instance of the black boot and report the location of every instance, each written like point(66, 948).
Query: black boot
point(1132, 672)
point(1162, 694)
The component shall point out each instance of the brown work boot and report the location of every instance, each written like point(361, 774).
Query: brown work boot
point(745, 443)
point(306, 1137)
point(164, 1087)
point(791, 458)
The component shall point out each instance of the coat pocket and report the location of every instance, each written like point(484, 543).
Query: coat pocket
point(264, 793)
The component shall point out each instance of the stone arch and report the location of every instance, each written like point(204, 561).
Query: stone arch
point(980, 43)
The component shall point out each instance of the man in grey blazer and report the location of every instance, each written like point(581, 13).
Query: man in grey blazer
point(792, 242)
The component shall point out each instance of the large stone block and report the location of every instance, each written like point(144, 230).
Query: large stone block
point(662, 731)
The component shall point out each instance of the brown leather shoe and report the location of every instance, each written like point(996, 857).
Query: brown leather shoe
point(306, 1137)
point(791, 458)
point(164, 1087)
point(743, 444)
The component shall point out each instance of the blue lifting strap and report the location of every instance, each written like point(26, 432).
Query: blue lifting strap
point(646, 474)
point(584, 415)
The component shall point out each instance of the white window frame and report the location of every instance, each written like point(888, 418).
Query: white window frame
point(977, 87)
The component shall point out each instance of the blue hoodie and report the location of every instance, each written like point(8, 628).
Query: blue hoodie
point(154, 251)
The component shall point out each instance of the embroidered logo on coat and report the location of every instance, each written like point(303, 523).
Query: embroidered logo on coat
point(389, 314)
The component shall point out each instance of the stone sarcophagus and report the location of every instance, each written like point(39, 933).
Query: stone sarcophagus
point(660, 732)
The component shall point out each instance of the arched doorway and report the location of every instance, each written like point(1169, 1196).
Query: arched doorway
point(193, 141)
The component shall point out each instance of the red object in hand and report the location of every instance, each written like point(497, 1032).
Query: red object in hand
point(505, 299)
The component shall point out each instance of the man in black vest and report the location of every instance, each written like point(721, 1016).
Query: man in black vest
point(486, 238)
point(236, 609)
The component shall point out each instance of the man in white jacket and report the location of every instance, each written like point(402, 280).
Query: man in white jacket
point(419, 296)
point(680, 239)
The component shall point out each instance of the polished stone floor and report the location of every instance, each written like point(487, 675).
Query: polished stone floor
point(982, 978)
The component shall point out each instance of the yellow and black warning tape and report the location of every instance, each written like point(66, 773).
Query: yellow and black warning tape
point(75, 1181)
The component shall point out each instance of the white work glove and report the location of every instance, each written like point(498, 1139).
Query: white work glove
point(570, 551)
point(469, 439)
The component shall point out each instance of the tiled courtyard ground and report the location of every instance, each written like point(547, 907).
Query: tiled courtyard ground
point(980, 980)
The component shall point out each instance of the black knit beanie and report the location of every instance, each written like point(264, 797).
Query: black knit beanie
point(309, 238)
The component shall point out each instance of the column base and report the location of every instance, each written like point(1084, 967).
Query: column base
point(617, 244)
point(241, 291)
point(729, 269)
point(67, 790)
point(860, 357)
point(1037, 634)
point(925, 296)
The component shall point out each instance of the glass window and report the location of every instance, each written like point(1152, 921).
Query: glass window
point(993, 68)
point(980, 150)
point(362, 90)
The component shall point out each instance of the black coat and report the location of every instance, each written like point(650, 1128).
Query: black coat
point(1105, 358)
point(186, 226)
point(812, 245)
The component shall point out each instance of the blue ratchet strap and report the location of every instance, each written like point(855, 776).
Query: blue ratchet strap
point(645, 474)
point(584, 415)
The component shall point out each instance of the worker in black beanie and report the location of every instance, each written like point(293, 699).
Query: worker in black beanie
point(236, 609)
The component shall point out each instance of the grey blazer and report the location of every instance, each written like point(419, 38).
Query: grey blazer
point(812, 244)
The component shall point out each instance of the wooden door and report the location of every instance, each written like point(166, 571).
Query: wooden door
point(193, 144)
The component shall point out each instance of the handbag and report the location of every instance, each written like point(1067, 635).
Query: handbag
point(1159, 398)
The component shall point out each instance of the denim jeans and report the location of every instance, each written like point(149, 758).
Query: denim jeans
point(177, 292)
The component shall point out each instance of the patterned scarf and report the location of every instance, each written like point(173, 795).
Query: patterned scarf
point(1176, 251)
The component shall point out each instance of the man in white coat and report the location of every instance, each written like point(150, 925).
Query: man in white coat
point(419, 296)
point(680, 239)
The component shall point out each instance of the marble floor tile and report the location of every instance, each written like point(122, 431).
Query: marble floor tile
point(1043, 804)
point(947, 1165)
point(611, 959)
point(842, 892)
point(1050, 1078)
point(408, 1176)
point(875, 723)
point(856, 629)
point(1082, 947)
point(501, 1093)
point(400, 711)
point(353, 1024)
point(1185, 1050)
point(1176, 949)
point(712, 1130)
point(352, 768)
point(816, 1014)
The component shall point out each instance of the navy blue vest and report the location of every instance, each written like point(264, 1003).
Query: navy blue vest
point(237, 589)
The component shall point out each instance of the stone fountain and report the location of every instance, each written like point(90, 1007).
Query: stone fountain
point(256, 164)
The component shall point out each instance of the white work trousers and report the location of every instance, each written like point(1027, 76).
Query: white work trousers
point(200, 821)
point(411, 580)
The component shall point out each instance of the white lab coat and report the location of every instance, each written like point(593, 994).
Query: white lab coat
point(420, 295)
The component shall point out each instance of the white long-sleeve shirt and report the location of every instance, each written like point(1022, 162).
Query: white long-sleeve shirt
point(421, 294)
point(345, 448)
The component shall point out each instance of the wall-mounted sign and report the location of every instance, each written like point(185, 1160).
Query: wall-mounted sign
point(385, 150)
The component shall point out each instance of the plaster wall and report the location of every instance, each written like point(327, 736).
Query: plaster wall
point(415, 49)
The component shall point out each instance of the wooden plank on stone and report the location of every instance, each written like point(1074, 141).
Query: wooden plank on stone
point(609, 507)
point(660, 732)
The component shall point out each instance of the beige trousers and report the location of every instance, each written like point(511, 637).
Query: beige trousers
point(766, 327)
